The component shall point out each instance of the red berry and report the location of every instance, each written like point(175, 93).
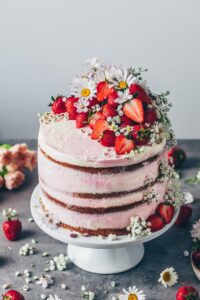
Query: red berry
point(140, 92)
point(176, 156)
point(108, 138)
point(140, 135)
point(108, 111)
point(81, 119)
point(150, 116)
point(123, 145)
point(134, 110)
point(112, 97)
point(99, 127)
point(196, 256)
point(125, 121)
point(103, 91)
point(71, 109)
point(93, 102)
point(187, 293)
point(13, 295)
point(184, 215)
point(12, 229)
point(166, 211)
point(58, 106)
point(96, 116)
point(156, 222)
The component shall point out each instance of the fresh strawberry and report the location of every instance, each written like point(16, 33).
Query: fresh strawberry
point(93, 102)
point(112, 97)
point(140, 135)
point(96, 116)
point(99, 127)
point(81, 119)
point(156, 222)
point(184, 215)
point(71, 109)
point(108, 138)
point(58, 106)
point(108, 111)
point(125, 121)
point(176, 156)
point(12, 229)
point(103, 91)
point(166, 211)
point(136, 89)
point(13, 295)
point(187, 293)
point(123, 145)
point(150, 116)
point(134, 110)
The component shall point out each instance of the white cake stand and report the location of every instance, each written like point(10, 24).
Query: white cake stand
point(96, 254)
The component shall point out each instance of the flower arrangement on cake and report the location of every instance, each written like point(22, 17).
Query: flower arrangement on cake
point(102, 155)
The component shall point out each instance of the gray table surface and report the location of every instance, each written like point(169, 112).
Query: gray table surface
point(160, 253)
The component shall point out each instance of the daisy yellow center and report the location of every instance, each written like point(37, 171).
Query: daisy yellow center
point(132, 297)
point(122, 85)
point(166, 276)
point(85, 92)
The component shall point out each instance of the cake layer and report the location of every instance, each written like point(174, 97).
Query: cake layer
point(64, 179)
point(63, 142)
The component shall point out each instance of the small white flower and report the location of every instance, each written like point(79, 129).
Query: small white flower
point(50, 297)
point(138, 227)
point(87, 294)
point(45, 281)
point(6, 286)
point(17, 274)
point(26, 250)
point(168, 277)
point(112, 237)
point(186, 253)
point(82, 105)
point(25, 288)
point(132, 293)
point(9, 212)
point(123, 78)
point(30, 220)
point(113, 284)
point(188, 197)
point(83, 88)
point(43, 296)
point(59, 262)
point(198, 175)
point(93, 63)
point(63, 286)
point(123, 97)
point(195, 232)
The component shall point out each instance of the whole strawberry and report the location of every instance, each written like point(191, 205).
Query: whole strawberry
point(13, 295)
point(176, 156)
point(184, 215)
point(58, 106)
point(187, 293)
point(12, 227)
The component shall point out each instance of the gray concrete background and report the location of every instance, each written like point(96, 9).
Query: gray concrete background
point(162, 252)
point(43, 44)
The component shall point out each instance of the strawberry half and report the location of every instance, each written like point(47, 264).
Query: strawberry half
point(81, 119)
point(108, 138)
point(103, 91)
point(58, 106)
point(71, 109)
point(184, 215)
point(108, 111)
point(99, 127)
point(187, 293)
point(166, 211)
point(12, 229)
point(134, 110)
point(123, 145)
point(13, 295)
point(150, 116)
point(96, 116)
point(125, 121)
point(156, 222)
point(140, 92)
point(93, 102)
point(112, 97)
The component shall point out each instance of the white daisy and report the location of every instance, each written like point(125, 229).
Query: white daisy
point(123, 78)
point(168, 277)
point(132, 294)
point(195, 232)
point(82, 105)
point(123, 97)
point(83, 88)
point(45, 281)
point(93, 63)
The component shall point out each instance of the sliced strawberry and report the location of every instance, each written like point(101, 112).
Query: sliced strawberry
point(125, 121)
point(184, 215)
point(108, 138)
point(81, 119)
point(58, 106)
point(123, 145)
point(96, 116)
point(108, 111)
point(134, 110)
point(150, 116)
point(140, 135)
point(156, 222)
point(99, 127)
point(166, 211)
point(93, 102)
point(139, 92)
point(112, 97)
point(103, 91)
point(71, 109)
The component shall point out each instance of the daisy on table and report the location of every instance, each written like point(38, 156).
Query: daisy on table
point(168, 277)
point(131, 294)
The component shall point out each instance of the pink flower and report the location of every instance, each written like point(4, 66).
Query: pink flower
point(5, 157)
point(1, 181)
point(31, 160)
point(14, 179)
point(19, 153)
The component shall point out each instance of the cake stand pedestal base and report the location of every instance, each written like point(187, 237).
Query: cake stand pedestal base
point(106, 261)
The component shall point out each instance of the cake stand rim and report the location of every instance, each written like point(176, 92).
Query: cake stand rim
point(63, 235)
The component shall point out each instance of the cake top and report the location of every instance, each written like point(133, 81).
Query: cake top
point(110, 108)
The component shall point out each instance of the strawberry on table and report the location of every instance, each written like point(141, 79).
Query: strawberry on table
point(123, 145)
point(70, 108)
point(12, 229)
point(58, 106)
point(134, 110)
point(13, 295)
point(156, 222)
point(108, 111)
point(196, 256)
point(81, 119)
point(136, 89)
point(187, 293)
point(108, 138)
point(99, 127)
point(166, 211)
point(176, 156)
point(92, 120)
point(184, 215)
